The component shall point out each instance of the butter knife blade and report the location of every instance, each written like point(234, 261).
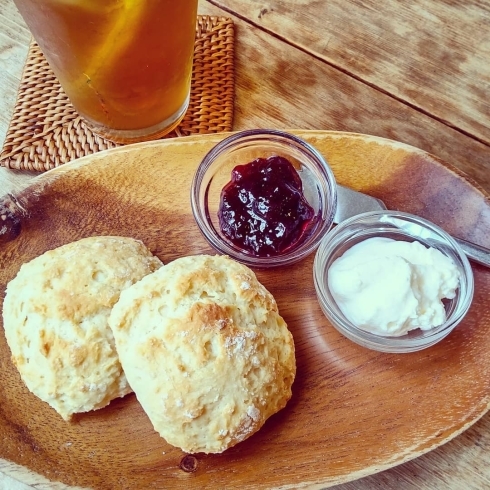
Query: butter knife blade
point(351, 203)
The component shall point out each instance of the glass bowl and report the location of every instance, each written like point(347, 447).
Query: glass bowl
point(399, 226)
point(214, 172)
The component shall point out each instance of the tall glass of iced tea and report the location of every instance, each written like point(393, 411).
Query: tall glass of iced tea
point(124, 64)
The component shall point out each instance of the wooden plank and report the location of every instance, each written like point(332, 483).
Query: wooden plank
point(279, 86)
point(433, 55)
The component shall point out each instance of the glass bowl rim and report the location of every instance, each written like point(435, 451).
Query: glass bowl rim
point(261, 136)
point(374, 341)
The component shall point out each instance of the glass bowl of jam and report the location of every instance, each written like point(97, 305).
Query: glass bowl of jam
point(392, 281)
point(264, 197)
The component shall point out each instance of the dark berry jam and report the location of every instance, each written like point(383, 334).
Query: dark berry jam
point(262, 209)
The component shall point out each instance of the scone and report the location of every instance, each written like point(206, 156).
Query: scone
point(205, 350)
point(55, 316)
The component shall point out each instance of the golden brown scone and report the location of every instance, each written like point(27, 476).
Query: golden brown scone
point(55, 317)
point(205, 350)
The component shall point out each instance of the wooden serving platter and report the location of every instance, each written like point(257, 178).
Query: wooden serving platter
point(353, 412)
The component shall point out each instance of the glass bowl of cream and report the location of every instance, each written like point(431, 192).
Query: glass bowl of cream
point(392, 282)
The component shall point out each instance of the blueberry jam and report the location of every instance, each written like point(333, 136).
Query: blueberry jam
point(262, 209)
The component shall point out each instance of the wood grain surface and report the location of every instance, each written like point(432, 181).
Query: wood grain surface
point(432, 55)
point(285, 91)
point(277, 87)
point(284, 80)
point(353, 411)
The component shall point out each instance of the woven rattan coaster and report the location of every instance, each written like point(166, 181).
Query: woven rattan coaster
point(46, 132)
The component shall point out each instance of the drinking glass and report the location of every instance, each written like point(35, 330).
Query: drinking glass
point(125, 65)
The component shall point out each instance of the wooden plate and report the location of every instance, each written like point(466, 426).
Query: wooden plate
point(353, 412)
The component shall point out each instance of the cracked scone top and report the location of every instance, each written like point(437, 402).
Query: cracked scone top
point(205, 350)
point(55, 316)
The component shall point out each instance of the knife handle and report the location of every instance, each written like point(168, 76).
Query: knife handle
point(478, 254)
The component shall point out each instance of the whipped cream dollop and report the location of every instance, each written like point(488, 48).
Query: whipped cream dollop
point(389, 287)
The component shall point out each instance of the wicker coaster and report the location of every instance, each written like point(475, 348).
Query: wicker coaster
point(46, 132)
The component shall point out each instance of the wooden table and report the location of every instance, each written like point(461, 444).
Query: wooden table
point(416, 72)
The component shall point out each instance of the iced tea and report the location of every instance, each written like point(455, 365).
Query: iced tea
point(125, 64)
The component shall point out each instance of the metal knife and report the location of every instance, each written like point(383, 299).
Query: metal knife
point(351, 203)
